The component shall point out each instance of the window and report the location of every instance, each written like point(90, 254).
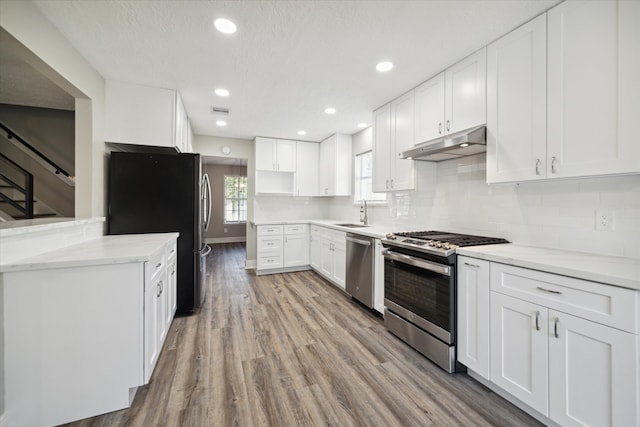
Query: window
point(235, 199)
point(364, 180)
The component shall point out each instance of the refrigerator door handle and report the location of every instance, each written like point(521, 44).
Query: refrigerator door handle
point(206, 200)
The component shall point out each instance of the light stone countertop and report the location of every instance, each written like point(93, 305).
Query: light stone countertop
point(12, 228)
point(104, 250)
point(617, 271)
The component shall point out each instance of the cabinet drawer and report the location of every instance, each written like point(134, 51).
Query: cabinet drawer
point(601, 303)
point(270, 230)
point(296, 229)
point(269, 261)
point(269, 244)
point(155, 265)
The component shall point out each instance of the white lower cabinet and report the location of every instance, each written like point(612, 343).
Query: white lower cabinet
point(519, 350)
point(565, 347)
point(473, 314)
point(282, 248)
point(79, 340)
point(329, 254)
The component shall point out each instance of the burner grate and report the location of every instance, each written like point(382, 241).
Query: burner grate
point(453, 238)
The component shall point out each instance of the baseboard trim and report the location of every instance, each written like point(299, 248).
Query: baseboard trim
point(214, 240)
point(250, 264)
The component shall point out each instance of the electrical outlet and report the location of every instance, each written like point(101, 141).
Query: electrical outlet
point(604, 220)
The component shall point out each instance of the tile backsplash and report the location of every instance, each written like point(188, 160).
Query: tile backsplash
point(557, 214)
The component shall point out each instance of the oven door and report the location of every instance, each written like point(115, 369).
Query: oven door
point(422, 292)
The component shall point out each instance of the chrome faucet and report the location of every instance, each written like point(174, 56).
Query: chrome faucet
point(364, 216)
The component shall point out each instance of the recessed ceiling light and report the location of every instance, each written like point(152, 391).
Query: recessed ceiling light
point(302, 132)
point(362, 125)
point(224, 26)
point(330, 110)
point(221, 123)
point(221, 92)
point(385, 66)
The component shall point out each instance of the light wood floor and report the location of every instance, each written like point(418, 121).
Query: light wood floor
point(292, 350)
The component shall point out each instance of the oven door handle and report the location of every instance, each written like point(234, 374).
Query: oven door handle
point(417, 262)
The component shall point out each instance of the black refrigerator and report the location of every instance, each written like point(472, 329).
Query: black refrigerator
point(157, 193)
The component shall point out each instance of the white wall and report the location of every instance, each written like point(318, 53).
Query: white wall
point(42, 46)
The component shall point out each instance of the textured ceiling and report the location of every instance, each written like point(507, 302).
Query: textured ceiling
point(21, 84)
point(289, 60)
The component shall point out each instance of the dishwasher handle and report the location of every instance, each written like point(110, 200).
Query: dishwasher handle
point(359, 241)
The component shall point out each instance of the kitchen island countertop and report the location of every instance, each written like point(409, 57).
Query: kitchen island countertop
point(102, 250)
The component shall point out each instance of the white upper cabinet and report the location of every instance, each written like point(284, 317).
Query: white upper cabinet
point(277, 155)
point(593, 88)
point(452, 101)
point(565, 105)
point(517, 104)
point(465, 93)
point(393, 130)
point(336, 166)
point(145, 115)
point(429, 114)
point(307, 173)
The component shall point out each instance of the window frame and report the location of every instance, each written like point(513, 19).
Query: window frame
point(237, 199)
point(377, 198)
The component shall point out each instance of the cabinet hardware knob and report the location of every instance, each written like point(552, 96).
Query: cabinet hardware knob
point(448, 125)
point(472, 265)
point(553, 164)
point(537, 166)
point(537, 320)
point(555, 328)
point(440, 128)
point(387, 183)
point(551, 291)
point(392, 183)
point(158, 265)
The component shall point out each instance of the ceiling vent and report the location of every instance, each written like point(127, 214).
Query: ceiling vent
point(219, 110)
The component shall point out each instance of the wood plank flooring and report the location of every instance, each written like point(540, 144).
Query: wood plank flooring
point(292, 350)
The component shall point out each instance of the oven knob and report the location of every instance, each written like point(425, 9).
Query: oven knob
point(391, 236)
point(446, 246)
point(438, 245)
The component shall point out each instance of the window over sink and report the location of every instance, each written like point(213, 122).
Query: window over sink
point(363, 180)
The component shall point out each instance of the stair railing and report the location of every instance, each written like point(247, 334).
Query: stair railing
point(38, 155)
point(26, 190)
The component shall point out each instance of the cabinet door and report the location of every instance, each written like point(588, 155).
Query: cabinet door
point(340, 264)
point(327, 166)
point(152, 312)
point(402, 170)
point(163, 308)
point(326, 258)
point(307, 159)
point(583, 87)
point(285, 155)
point(429, 110)
point(593, 371)
point(296, 250)
point(519, 350)
point(517, 104)
point(315, 248)
point(465, 90)
point(265, 154)
point(381, 148)
point(172, 291)
point(473, 314)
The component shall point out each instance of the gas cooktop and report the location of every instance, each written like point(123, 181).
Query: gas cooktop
point(438, 242)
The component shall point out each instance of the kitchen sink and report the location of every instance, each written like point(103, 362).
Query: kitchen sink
point(352, 225)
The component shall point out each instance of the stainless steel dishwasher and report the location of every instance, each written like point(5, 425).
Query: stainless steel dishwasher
point(360, 268)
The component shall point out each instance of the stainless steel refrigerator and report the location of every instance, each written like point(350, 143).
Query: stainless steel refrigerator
point(156, 193)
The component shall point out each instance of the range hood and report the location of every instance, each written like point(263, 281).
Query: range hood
point(460, 144)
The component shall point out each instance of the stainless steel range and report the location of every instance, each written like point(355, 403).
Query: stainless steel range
point(420, 290)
